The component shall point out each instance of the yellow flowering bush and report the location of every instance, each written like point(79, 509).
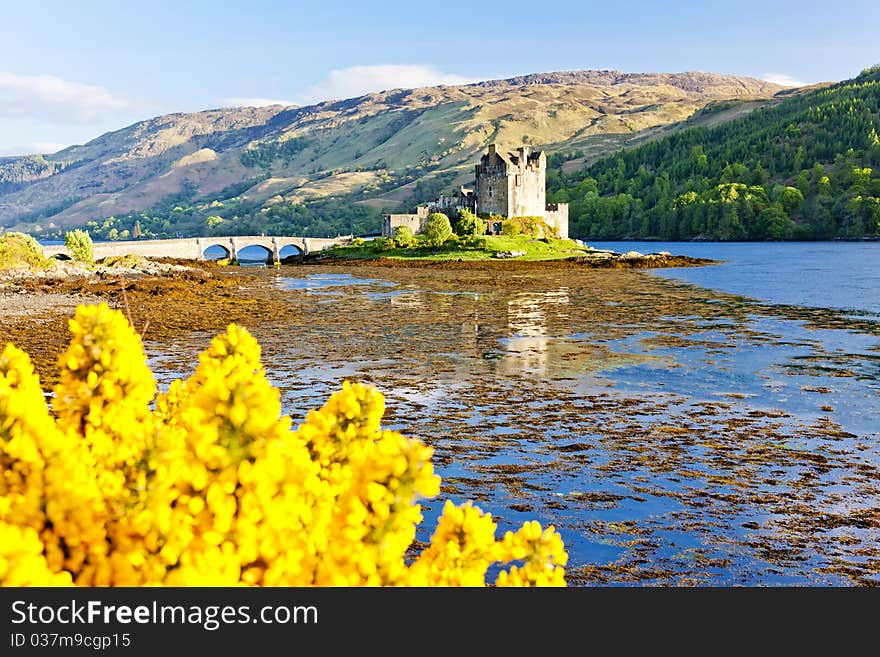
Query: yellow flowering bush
point(208, 483)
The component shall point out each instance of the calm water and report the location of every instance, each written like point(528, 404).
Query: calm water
point(818, 274)
point(712, 426)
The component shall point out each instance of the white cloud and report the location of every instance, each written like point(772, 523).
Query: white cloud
point(254, 102)
point(784, 80)
point(360, 80)
point(50, 97)
point(33, 148)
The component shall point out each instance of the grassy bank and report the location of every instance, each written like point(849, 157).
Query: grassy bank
point(491, 247)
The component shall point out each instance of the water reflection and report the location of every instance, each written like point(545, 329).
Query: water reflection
point(527, 311)
point(527, 347)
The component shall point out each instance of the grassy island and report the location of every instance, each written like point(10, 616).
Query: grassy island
point(489, 247)
point(508, 251)
point(523, 239)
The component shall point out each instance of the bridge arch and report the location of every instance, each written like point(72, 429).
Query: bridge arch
point(249, 251)
point(290, 250)
point(216, 251)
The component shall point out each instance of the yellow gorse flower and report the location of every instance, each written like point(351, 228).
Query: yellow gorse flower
point(208, 484)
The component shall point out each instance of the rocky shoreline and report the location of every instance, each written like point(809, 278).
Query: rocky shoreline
point(69, 269)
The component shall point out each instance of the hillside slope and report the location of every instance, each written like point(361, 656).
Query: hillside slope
point(807, 167)
point(383, 149)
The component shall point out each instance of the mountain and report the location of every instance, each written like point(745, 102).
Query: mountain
point(804, 167)
point(335, 164)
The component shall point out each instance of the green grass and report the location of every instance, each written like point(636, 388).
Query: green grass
point(535, 249)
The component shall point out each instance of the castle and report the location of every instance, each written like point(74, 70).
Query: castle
point(506, 185)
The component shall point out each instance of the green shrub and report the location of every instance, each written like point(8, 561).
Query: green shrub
point(534, 227)
point(403, 237)
point(358, 242)
point(468, 224)
point(437, 229)
point(128, 261)
point(79, 245)
point(20, 251)
point(510, 227)
point(531, 226)
point(381, 244)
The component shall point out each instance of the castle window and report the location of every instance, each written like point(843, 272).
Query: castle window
point(490, 191)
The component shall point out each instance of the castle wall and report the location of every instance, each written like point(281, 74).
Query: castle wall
point(556, 215)
point(415, 222)
point(462, 199)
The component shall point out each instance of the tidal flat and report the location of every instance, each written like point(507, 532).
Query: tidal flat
point(672, 434)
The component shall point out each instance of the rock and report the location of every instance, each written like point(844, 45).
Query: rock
point(631, 255)
point(70, 269)
point(510, 254)
point(665, 254)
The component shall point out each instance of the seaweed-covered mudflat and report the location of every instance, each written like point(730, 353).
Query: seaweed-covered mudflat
point(672, 434)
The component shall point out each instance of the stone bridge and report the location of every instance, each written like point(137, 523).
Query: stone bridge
point(193, 248)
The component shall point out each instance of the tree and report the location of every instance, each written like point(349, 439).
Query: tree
point(791, 199)
point(437, 229)
point(79, 245)
point(698, 159)
point(469, 224)
point(777, 225)
point(403, 237)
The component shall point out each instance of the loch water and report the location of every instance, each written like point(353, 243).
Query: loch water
point(842, 275)
point(714, 426)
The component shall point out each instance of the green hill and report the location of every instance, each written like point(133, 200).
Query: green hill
point(333, 167)
point(807, 167)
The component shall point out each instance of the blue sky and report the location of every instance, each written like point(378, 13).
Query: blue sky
point(70, 71)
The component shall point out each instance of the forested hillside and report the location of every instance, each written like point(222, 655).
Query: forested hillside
point(806, 168)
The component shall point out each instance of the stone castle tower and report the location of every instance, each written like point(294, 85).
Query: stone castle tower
point(506, 185)
point(511, 184)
